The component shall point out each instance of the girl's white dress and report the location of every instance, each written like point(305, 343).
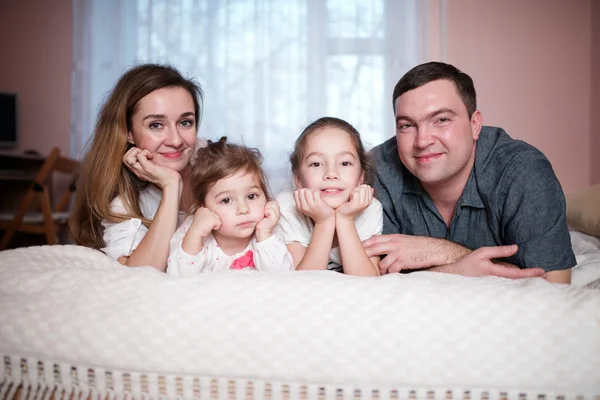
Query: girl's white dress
point(269, 255)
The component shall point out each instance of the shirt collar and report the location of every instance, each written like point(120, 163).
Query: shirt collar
point(470, 196)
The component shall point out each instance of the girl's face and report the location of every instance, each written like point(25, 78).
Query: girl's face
point(331, 164)
point(165, 125)
point(239, 201)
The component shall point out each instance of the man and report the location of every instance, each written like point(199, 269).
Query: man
point(458, 196)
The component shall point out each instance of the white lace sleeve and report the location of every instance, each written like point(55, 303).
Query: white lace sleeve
point(272, 255)
point(181, 263)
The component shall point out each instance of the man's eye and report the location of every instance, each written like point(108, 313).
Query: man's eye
point(404, 127)
point(226, 200)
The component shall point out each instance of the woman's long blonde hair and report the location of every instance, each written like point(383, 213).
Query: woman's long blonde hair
point(103, 176)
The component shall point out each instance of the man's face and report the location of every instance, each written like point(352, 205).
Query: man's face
point(436, 138)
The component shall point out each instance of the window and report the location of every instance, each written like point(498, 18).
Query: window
point(268, 67)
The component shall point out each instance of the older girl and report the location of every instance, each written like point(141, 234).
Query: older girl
point(332, 211)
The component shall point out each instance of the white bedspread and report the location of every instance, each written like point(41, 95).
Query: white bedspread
point(75, 307)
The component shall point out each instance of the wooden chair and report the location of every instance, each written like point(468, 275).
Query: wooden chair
point(47, 221)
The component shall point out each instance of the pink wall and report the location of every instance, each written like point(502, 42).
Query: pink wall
point(36, 53)
point(595, 91)
point(531, 62)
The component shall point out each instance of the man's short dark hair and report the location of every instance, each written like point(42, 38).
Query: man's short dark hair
point(433, 71)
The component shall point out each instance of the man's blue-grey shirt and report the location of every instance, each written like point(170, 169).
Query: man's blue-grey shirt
point(512, 196)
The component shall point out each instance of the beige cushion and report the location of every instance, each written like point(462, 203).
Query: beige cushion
point(583, 210)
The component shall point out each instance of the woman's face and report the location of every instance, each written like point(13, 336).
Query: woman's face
point(165, 124)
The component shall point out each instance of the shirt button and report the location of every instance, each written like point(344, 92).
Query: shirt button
point(136, 222)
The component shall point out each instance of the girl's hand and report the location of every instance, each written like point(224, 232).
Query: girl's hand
point(310, 203)
point(140, 163)
point(204, 222)
point(264, 228)
point(360, 198)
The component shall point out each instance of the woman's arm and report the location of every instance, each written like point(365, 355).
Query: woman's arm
point(153, 250)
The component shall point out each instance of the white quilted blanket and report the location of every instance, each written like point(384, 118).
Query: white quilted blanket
point(77, 309)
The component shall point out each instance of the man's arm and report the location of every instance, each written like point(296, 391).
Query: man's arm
point(412, 252)
point(405, 252)
point(562, 276)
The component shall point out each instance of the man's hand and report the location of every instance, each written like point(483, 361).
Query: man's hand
point(407, 252)
point(310, 203)
point(264, 228)
point(480, 263)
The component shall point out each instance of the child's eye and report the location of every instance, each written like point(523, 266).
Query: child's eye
point(253, 196)
point(155, 125)
point(315, 164)
point(187, 123)
point(226, 200)
point(346, 163)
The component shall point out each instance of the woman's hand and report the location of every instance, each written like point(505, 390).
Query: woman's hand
point(264, 228)
point(310, 203)
point(140, 163)
point(360, 198)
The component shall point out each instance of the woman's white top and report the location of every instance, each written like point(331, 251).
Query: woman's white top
point(122, 238)
point(297, 227)
point(269, 255)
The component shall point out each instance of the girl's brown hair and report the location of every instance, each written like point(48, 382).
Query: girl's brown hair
point(103, 176)
point(219, 160)
point(332, 122)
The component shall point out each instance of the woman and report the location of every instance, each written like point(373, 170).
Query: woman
point(134, 180)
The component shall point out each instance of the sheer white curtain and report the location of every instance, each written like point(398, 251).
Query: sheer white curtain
point(268, 67)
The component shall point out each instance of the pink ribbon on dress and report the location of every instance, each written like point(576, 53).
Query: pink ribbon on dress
point(245, 261)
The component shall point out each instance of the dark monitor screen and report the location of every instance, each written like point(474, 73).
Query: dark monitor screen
point(8, 120)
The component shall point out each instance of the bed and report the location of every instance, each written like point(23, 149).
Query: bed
point(74, 324)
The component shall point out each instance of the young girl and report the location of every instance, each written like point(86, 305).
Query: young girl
point(231, 225)
point(332, 211)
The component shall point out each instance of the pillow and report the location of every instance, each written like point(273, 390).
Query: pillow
point(583, 210)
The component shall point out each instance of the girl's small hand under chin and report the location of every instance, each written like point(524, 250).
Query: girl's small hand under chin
point(360, 198)
point(265, 226)
point(205, 221)
point(310, 203)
